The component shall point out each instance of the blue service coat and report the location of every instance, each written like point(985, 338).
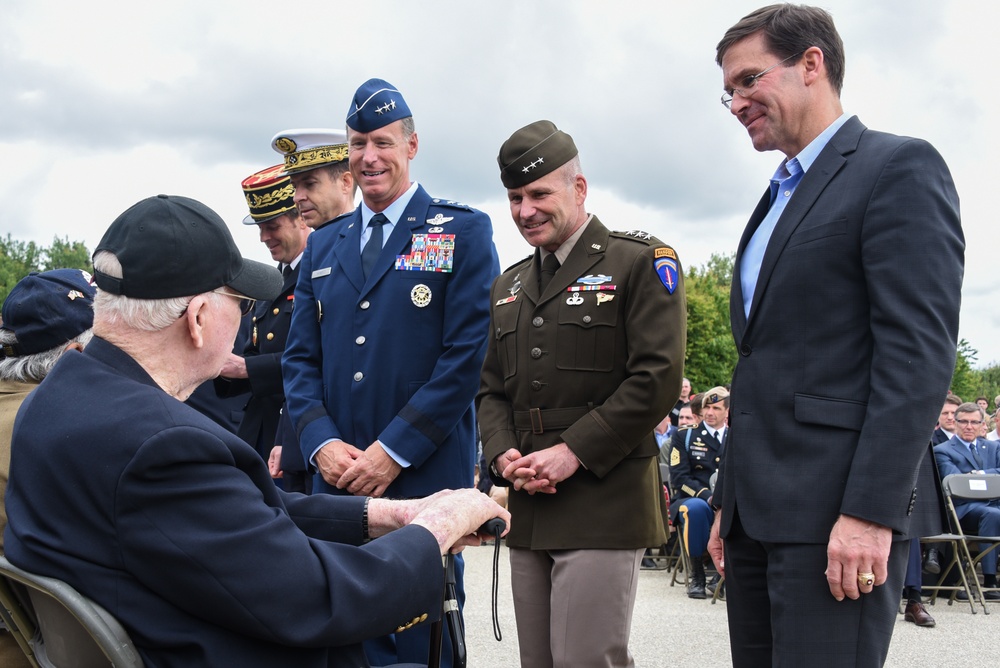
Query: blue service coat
point(173, 524)
point(397, 357)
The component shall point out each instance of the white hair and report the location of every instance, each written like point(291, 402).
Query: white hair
point(149, 315)
point(34, 368)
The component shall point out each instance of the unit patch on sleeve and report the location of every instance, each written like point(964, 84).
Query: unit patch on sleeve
point(666, 269)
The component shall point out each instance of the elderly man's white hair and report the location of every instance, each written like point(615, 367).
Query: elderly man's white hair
point(33, 368)
point(149, 315)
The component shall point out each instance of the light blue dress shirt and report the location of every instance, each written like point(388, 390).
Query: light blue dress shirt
point(786, 178)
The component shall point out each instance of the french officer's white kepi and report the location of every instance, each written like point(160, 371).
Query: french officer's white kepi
point(310, 148)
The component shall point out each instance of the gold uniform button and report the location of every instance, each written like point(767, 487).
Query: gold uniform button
point(276, 311)
point(270, 336)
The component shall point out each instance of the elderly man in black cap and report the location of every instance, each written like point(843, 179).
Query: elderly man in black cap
point(171, 522)
point(586, 356)
point(45, 315)
point(389, 330)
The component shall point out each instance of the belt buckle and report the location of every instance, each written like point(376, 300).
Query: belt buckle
point(536, 420)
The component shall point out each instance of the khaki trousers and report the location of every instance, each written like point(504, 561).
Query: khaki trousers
point(573, 608)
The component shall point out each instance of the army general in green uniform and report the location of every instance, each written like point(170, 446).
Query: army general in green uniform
point(585, 356)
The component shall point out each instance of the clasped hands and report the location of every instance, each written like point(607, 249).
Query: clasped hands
point(361, 472)
point(540, 471)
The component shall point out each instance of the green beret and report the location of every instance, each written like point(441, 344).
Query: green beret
point(534, 151)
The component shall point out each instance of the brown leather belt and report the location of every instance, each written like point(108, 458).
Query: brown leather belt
point(541, 420)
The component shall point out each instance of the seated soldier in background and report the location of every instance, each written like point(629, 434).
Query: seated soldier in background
point(694, 456)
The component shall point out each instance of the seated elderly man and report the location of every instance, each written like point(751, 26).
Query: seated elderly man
point(966, 452)
point(171, 522)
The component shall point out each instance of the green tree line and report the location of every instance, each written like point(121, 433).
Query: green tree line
point(20, 258)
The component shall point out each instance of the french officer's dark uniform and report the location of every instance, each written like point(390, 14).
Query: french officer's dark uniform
point(269, 195)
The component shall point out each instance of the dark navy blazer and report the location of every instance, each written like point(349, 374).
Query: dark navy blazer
point(174, 525)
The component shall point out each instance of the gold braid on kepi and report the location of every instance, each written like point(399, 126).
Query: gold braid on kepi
point(307, 149)
point(269, 194)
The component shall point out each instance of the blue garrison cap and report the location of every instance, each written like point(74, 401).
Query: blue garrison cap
point(376, 104)
point(47, 310)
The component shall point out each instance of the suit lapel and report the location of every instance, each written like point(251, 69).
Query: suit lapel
point(348, 250)
point(963, 450)
point(737, 316)
point(830, 161)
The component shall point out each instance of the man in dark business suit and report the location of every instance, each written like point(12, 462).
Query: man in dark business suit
point(967, 452)
point(946, 420)
point(844, 356)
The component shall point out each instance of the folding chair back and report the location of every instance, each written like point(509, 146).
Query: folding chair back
point(61, 627)
point(976, 487)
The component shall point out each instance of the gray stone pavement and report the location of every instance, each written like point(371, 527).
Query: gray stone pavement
point(959, 640)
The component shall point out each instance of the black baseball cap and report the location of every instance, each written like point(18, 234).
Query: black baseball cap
point(171, 246)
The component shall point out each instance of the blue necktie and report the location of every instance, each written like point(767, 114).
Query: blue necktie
point(374, 246)
point(975, 455)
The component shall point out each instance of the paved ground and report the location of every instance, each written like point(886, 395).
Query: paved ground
point(966, 640)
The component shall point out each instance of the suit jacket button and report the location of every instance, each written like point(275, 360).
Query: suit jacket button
point(745, 350)
point(536, 353)
point(364, 305)
point(537, 321)
point(276, 311)
point(270, 336)
point(359, 376)
point(536, 385)
point(360, 340)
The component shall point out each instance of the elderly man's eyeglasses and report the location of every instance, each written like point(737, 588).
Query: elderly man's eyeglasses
point(246, 303)
point(969, 423)
point(748, 83)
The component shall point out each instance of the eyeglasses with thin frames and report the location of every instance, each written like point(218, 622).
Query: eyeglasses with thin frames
point(748, 83)
point(969, 423)
point(246, 303)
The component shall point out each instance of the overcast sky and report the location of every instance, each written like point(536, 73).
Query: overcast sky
point(103, 103)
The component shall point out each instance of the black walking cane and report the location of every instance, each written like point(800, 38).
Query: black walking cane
point(450, 609)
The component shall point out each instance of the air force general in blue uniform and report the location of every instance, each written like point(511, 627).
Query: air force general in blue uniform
point(387, 362)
